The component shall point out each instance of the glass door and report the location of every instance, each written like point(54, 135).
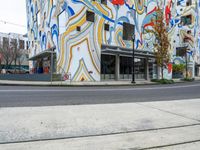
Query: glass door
point(107, 67)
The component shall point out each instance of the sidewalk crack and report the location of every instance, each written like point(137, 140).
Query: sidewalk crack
point(169, 145)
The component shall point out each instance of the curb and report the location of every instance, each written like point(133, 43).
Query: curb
point(89, 85)
point(74, 85)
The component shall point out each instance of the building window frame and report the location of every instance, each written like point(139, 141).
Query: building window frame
point(186, 20)
point(90, 16)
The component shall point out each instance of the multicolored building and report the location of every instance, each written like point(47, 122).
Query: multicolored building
point(88, 36)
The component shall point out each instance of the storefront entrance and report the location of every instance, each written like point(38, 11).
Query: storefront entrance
point(110, 67)
point(116, 63)
point(126, 68)
point(197, 70)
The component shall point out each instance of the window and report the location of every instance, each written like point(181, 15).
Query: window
point(78, 28)
point(125, 67)
point(106, 27)
point(14, 42)
point(145, 9)
point(21, 44)
point(180, 51)
point(5, 42)
point(178, 3)
point(189, 3)
point(189, 32)
point(27, 45)
point(104, 2)
point(186, 20)
point(108, 66)
point(128, 31)
point(90, 16)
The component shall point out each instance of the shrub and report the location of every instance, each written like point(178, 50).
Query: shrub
point(178, 68)
point(154, 80)
point(188, 79)
point(163, 81)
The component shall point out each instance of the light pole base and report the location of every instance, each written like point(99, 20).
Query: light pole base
point(133, 82)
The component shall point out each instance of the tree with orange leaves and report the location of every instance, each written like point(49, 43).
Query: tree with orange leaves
point(161, 44)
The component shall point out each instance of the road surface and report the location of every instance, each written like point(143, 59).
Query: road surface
point(23, 96)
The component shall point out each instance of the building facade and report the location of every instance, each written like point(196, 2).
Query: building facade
point(22, 45)
point(87, 36)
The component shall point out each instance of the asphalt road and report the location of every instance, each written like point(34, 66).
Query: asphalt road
point(22, 96)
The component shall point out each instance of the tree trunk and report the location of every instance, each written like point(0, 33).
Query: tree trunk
point(15, 65)
point(0, 67)
point(162, 68)
point(19, 63)
point(162, 72)
point(6, 67)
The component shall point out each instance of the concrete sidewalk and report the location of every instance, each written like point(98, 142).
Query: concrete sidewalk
point(151, 125)
point(68, 83)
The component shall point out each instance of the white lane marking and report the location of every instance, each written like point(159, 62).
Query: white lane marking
point(96, 90)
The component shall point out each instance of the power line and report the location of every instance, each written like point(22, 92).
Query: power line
point(11, 23)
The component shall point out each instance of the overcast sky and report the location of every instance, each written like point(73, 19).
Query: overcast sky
point(13, 11)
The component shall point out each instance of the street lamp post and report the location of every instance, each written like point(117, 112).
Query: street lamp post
point(129, 35)
point(133, 60)
point(186, 63)
point(186, 46)
point(52, 63)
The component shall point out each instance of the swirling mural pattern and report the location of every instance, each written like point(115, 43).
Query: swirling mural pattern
point(80, 52)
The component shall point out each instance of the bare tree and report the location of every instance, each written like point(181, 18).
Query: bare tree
point(6, 54)
point(0, 63)
point(21, 58)
point(14, 45)
point(18, 52)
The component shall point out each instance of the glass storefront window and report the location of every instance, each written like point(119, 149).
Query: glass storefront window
point(107, 67)
point(126, 68)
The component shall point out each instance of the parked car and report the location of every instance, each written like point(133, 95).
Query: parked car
point(18, 70)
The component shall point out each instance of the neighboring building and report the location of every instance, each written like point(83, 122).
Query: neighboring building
point(88, 36)
point(185, 31)
point(22, 43)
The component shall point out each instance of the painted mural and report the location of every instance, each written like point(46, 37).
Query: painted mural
point(188, 34)
point(54, 23)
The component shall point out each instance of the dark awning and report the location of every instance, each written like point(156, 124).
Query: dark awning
point(43, 54)
point(116, 50)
